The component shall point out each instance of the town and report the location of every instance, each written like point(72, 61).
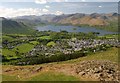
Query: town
point(69, 46)
point(44, 45)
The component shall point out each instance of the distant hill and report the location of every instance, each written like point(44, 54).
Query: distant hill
point(34, 20)
point(107, 22)
point(102, 21)
point(75, 19)
point(86, 19)
point(11, 27)
point(29, 20)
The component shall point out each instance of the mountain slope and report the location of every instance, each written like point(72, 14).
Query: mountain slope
point(34, 20)
point(74, 19)
point(91, 19)
point(107, 22)
point(11, 27)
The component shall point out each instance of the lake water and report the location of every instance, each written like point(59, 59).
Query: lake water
point(72, 29)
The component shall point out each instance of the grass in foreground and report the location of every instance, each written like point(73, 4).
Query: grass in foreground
point(9, 78)
point(111, 54)
point(44, 76)
point(52, 76)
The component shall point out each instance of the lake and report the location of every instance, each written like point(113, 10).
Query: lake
point(69, 28)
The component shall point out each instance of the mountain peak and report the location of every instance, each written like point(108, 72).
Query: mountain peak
point(94, 15)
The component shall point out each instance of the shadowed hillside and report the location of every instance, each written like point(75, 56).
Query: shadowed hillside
point(11, 27)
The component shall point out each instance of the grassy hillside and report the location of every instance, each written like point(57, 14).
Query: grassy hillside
point(111, 55)
point(24, 48)
point(13, 27)
point(9, 78)
point(44, 76)
point(28, 73)
point(4, 37)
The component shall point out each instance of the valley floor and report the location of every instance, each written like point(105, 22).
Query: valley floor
point(58, 71)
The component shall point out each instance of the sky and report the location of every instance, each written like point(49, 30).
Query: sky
point(14, 8)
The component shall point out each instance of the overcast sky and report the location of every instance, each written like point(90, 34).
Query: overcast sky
point(15, 8)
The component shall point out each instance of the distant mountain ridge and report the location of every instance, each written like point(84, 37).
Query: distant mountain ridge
point(83, 19)
point(74, 19)
point(32, 19)
point(23, 24)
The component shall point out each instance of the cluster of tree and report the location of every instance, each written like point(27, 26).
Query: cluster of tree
point(46, 59)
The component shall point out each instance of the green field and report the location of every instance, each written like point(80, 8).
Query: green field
point(109, 36)
point(45, 37)
point(9, 53)
point(51, 43)
point(24, 48)
point(34, 42)
point(7, 38)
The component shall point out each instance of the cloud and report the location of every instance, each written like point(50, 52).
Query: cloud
point(100, 6)
point(60, 0)
point(16, 0)
point(58, 12)
point(83, 0)
point(45, 1)
point(47, 6)
point(40, 1)
point(45, 10)
point(107, 0)
point(1, 6)
point(66, 0)
point(10, 12)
